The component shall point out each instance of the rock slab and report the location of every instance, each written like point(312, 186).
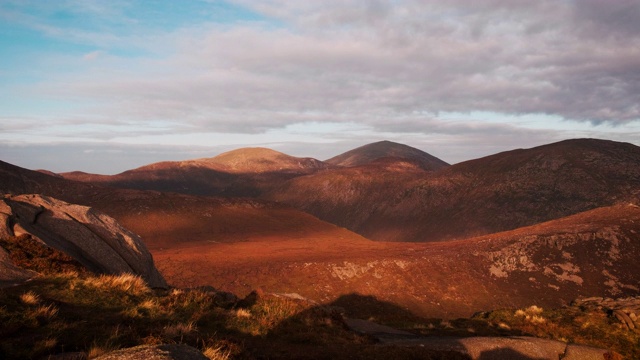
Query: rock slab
point(93, 238)
point(481, 347)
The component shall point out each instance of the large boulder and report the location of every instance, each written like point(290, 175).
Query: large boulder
point(92, 238)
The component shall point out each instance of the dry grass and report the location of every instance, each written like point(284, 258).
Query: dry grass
point(243, 313)
point(265, 314)
point(128, 283)
point(531, 314)
point(180, 329)
point(30, 298)
point(104, 313)
point(216, 353)
point(99, 350)
point(44, 312)
point(47, 344)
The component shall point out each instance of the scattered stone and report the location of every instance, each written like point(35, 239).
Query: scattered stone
point(623, 309)
point(624, 318)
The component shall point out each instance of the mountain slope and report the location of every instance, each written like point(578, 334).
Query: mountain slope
point(386, 149)
point(240, 245)
point(170, 219)
point(348, 197)
point(549, 265)
point(496, 193)
point(260, 160)
point(244, 172)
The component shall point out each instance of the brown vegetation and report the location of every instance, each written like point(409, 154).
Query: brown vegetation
point(495, 193)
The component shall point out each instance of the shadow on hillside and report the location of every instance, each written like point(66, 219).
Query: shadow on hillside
point(320, 332)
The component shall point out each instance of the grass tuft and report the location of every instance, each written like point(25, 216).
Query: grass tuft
point(68, 312)
point(30, 298)
point(216, 353)
point(180, 329)
point(128, 283)
point(44, 312)
point(99, 350)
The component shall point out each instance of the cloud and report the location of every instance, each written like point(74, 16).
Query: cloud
point(342, 59)
point(392, 68)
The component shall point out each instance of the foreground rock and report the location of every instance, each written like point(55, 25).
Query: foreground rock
point(92, 238)
point(482, 347)
point(155, 352)
point(626, 310)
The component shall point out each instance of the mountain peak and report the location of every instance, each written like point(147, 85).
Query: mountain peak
point(369, 153)
point(259, 159)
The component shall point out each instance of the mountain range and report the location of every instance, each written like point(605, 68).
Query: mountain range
point(549, 223)
point(391, 192)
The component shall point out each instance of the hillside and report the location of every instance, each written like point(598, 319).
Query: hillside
point(550, 264)
point(386, 149)
point(170, 219)
point(260, 160)
point(244, 172)
point(349, 197)
point(496, 193)
point(240, 245)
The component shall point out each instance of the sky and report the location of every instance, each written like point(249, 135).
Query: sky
point(106, 86)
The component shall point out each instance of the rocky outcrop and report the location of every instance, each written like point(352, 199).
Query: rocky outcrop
point(155, 352)
point(92, 238)
point(481, 347)
point(626, 310)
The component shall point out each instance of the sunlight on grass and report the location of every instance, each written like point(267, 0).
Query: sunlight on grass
point(105, 313)
point(243, 313)
point(99, 350)
point(216, 353)
point(30, 298)
point(126, 283)
point(44, 312)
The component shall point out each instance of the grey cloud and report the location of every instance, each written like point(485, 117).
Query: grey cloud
point(602, 18)
point(345, 61)
point(553, 65)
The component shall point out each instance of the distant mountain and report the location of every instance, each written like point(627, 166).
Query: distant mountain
point(242, 244)
point(246, 172)
point(174, 220)
point(496, 193)
point(260, 160)
point(349, 196)
point(386, 149)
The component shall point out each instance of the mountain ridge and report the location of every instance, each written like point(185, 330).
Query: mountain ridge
point(494, 193)
point(242, 244)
